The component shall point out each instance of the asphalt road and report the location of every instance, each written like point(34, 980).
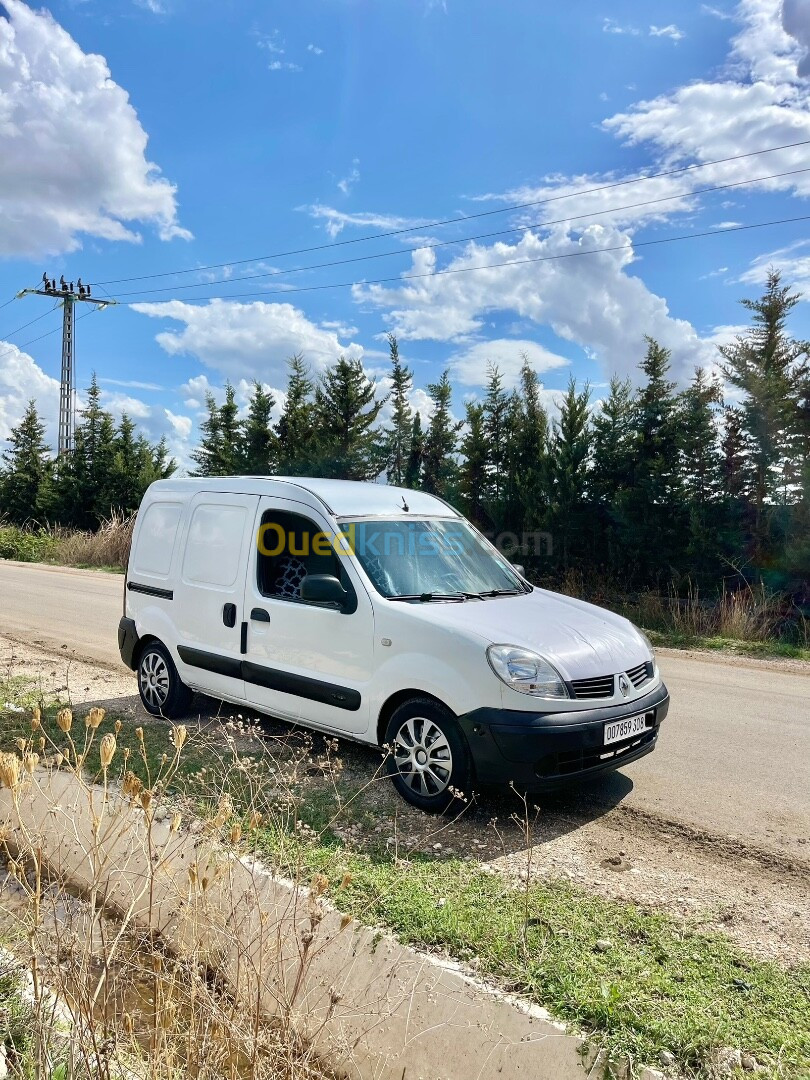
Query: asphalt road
point(733, 759)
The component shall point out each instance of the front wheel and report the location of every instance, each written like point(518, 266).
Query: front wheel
point(162, 692)
point(428, 760)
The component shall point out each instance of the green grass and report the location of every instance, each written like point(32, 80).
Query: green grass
point(25, 546)
point(16, 1025)
point(660, 986)
point(771, 647)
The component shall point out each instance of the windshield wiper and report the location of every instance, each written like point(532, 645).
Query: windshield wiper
point(427, 597)
point(502, 592)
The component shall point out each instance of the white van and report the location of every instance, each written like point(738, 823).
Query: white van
point(380, 614)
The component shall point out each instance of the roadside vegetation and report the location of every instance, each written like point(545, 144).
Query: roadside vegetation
point(686, 512)
point(642, 985)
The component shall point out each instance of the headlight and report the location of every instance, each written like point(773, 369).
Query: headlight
point(646, 640)
point(525, 671)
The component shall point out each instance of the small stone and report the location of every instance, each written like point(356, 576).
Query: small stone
point(749, 1062)
point(441, 902)
point(667, 1059)
point(437, 847)
point(604, 945)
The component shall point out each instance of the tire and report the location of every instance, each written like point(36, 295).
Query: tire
point(429, 762)
point(162, 692)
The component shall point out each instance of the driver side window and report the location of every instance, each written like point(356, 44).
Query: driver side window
point(290, 548)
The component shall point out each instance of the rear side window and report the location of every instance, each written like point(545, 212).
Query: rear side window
point(156, 536)
point(214, 544)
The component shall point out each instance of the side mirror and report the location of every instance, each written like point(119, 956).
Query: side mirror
point(323, 589)
point(520, 569)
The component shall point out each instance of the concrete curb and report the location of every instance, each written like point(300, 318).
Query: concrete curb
point(375, 1009)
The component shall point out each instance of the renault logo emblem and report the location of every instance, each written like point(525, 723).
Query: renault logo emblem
point(624, 685)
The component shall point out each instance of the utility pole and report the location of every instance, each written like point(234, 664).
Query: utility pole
point(69, 296)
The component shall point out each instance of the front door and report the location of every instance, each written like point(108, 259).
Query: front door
point(305, 661)
point(211, 591)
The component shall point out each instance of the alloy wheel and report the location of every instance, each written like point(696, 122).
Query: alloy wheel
point(154, 679)
point(423, 757)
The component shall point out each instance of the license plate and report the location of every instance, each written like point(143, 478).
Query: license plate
point(625, 729)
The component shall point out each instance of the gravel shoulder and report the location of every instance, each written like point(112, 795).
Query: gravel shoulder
point(756, 898)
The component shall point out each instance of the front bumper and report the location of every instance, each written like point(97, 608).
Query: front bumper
point(538, 751)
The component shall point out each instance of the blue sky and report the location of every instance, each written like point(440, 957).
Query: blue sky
point(143, 137)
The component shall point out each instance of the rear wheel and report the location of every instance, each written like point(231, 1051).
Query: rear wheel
point(162, 692)
point(429, 762)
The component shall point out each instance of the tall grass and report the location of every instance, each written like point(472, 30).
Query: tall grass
point(108, 546)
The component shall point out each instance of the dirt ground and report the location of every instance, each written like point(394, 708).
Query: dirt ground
point(584, 835)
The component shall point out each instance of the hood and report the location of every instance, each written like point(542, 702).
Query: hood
point(582, 640)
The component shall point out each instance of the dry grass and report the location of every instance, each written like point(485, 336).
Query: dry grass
point(113, 991)
point(108, 546)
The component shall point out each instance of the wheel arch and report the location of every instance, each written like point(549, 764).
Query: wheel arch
point(399, 698)
point(137, 652)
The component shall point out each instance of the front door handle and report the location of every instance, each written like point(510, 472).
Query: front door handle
point(229, 614)
point(258, 614)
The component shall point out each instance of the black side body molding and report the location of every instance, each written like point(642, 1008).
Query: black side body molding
point(150, 590)
point(342, 697)
point(221, 665)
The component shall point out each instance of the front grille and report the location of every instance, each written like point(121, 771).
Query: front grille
point(600, 687)
point(639, 675)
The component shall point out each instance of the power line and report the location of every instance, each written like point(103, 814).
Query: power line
point(44, 315)
point(466, 239)
point(399, 279)
point(459, 219)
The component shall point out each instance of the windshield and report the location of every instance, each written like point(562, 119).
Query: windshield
point(429, 558)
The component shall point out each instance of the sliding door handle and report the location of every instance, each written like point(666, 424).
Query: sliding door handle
point(229, 614)
point(258, 614)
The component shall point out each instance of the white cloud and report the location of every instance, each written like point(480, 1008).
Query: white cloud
point(671, 31)
point(181, 425)
point(154, 6)
point(66, 126)
point(284, 65)
point(794, 263)
point(717, 13)
point(591, 300)
point(118, 404)
point(727, 225)
point(348, 182)
point(272, 42)
point(21, 379)
point(470, 366)
point(610, 26)
point(337, 220)
point(251, 341)
point(796, 22)
point(131, 384)
point(316, 50)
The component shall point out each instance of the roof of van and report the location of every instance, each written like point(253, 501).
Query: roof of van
point(343, 498)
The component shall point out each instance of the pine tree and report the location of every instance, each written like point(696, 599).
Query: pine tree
point(474, 460)
point(495, 421)
point(652, 512)
point(219, 452)
point(413, 469)
point(701, 468)
point(530, 452)
point(398, 435)
point(77, 496)
point(259, 443)
point(295, 428)
point(613, 444)
point(569, 468)
point(439, 468)
point(770, 369)
point(346, 410)
point(26, 468)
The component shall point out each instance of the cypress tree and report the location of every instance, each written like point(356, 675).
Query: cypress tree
point(219, 452)
point(569, 469)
